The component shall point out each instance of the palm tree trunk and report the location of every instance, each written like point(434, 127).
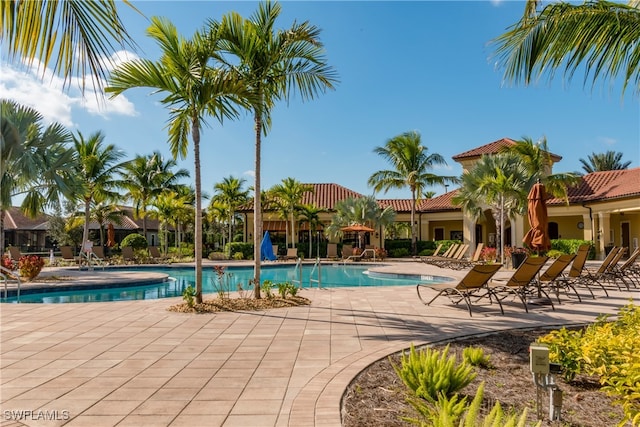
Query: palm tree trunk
point(198, 219)
point(257, 207)
point(230, 231)
point(2, 214)
point(87, 215)
point(414, 243)
point(293, 231)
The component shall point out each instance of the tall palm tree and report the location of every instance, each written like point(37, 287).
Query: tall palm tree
point(34, 160)
point(608, 161)
point(96, 168)
point(536, 158)
point(193, 89)
point(230, 193)
point(310, 214)
point(288, 196)
point(145, 177)
point(272, 64)
point(359, 211)
point(500, 182)
point(166, 207)
point(599, 35)
point(411, 168)
point(79, 36)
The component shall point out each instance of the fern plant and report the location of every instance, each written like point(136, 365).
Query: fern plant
point(475, 357)
point(429, 373)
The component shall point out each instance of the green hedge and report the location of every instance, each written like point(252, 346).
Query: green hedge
point(246, 249)
point(570, 246)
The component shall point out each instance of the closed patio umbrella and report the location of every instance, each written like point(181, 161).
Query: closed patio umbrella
point(537, 238)
point(111, 236)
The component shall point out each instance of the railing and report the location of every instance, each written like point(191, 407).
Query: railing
point(317, 265)
point(91, 259)
point(7, 275)
point(298, 268)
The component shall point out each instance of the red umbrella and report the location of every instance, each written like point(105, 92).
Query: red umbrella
point(111, 236)
point(537, 237)
point(357, 227)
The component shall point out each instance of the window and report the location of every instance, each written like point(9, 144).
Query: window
point(438, 233)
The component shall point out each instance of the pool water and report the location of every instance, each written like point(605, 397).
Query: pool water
point(233, 279)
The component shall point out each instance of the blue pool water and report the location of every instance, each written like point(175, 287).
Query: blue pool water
point(332, 275)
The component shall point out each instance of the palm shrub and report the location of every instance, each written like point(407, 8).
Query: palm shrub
point(430, 373)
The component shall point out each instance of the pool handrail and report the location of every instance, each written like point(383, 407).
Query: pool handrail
point(5, 273)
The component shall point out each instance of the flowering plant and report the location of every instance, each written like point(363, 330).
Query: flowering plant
point(356, 251)
point(488, 254)
point(381, 253)
point(8, 263)
point(30, 266)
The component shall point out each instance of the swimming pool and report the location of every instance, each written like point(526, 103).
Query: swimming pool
point(233, 279)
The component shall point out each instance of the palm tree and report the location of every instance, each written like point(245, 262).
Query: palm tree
point(145, 177)
point(95, 170)
point(411, 165)
point(194, 90)
point(358, 211)
point(272, 65)
point(310, 214)
point(599, 35)
point(231, 195)
point(500, 182)
point(288, 196)
point(34, 160)
point(608, 161)
point(166, 208)
point(82, 32)
point(536, 158)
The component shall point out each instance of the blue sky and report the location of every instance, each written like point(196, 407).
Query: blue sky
point(403, 66)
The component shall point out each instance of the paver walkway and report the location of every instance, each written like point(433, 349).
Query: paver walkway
point(136, 364)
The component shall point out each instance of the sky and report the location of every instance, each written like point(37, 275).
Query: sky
point(422, 66)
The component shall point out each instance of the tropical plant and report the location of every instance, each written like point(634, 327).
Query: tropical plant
point(145, 177)
point(272, 64)
point(536, 158)
point(30, 266)
point(500, 182)
point(166, 208)
point(358, 211)
point(601, 36)
point(95, 169)
point(288, 196)
point(229, 195)
point(310, 214)
point(34, 160)
point(83, 33)
point(194, 90)
point(608, 161)
point(411, 165)
point(134, 240)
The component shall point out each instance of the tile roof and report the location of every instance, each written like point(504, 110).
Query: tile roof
point(15, 219)
point(493, 148)
point(323, 196)
point(606, 185)
point(440, 203)
point(398, 205)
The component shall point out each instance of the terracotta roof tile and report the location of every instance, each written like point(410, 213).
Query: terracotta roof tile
point(15, 219)
point(440, 203)
point(323, 196)
point(606, 185)
point(492, 148)
point(398, 205)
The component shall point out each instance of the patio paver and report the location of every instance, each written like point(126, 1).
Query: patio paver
point(135, 363)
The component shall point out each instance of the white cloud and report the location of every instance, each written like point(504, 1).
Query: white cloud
point(45, 92)
point(250, 173)
point(607, 141)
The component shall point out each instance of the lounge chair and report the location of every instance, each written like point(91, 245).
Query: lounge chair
point(552, 276)
point(473, 285)
point(347, 251)
point(434, 254)
point(127, 255)
point(627, 272)
point(457, 257)
point(67, 254)
point(447, 255)
point(332, 250)
point(523, 282)
point(464, 263)
point(14, 254)
point(155, 254)
point(588, 277)
point(92, 256)
point(275, 249)
point(292, 253)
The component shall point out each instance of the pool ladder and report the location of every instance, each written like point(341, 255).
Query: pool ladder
point(6, 276)
point(311, 279)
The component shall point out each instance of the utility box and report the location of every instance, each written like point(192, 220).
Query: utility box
point(539, 358)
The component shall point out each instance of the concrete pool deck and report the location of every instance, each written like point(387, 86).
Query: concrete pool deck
point(133, 363)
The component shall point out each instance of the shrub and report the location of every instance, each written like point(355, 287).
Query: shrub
point(475, 357)
point(430, 373)
point(245, 248)
point(188, 295)
point(570, 246)
point(266, 288)
point(238, 256)
point(30, 266)
point(7, 263)
point(488, 254)
point(216, 256)
point(135, 240)
point(399, 253)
